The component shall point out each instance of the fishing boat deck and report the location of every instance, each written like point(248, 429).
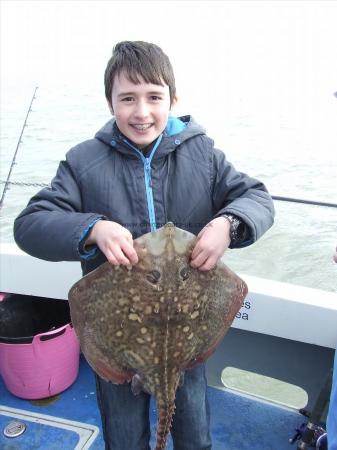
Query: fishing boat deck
point(71, 420)
point(278, 336)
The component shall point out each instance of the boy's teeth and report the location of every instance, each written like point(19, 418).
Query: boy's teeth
point(142, 127)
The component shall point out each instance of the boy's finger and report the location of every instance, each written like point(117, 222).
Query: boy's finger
point(119, 255)
point(196, 250)
point(209, 264)
point(199, 260)
point(130, 252)
point(111, 258)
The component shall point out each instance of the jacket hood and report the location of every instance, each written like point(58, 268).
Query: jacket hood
point(178, 130)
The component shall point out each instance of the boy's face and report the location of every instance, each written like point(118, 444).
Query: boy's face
point(141, 110)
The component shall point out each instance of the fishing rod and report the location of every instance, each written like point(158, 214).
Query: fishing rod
point(300, 200)
point(7, 182)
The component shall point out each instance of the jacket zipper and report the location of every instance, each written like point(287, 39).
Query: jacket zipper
point(148, 180)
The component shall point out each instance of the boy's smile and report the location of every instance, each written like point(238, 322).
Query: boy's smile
point(141, 110)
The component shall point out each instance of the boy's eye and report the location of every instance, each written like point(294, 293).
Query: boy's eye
point(155, 97)
point(127, 99)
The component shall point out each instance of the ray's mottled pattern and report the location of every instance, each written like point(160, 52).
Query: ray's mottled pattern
point(155, 319)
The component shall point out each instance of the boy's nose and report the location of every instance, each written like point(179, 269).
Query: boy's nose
point(142, 109)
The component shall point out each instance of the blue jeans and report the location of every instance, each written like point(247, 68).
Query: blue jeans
point(125, 416)
point(332, 415)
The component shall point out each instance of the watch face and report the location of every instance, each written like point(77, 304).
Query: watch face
point(235, 223)
point(237, 228)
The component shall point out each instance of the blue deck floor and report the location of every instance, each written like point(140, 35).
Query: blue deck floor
point(237, 422)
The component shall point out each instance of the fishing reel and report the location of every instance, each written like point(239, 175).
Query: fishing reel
point(310, 436)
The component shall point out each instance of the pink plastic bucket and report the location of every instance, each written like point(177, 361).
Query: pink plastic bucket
point(43, 365)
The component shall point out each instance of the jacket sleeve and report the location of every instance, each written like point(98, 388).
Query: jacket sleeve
point(53, 224)
point(247, 198)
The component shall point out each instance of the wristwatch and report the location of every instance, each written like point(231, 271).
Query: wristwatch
point(237, 229)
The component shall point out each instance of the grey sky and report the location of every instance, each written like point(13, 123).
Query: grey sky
point(263, 54)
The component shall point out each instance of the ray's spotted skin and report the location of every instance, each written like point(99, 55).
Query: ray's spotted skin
point(150, 322)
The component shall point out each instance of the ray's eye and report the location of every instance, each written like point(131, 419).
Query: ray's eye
point(153, 277)
point(184, 273)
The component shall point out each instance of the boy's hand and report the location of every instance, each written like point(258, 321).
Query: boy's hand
point(212, 242)
point(114, 241)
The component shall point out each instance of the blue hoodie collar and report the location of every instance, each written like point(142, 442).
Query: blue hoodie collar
point(174, 126)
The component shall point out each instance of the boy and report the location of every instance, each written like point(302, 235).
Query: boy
point(142, 170)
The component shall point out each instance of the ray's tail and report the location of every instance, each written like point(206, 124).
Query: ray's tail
point(165, 415)
point(165, 399)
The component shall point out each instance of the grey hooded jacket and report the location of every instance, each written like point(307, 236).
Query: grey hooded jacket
point(183, 180)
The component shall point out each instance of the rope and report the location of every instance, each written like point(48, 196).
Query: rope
point(23, 184)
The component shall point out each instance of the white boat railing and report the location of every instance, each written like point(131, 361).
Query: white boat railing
point(271, 307)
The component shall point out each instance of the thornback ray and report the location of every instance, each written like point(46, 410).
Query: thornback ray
point(150, 322)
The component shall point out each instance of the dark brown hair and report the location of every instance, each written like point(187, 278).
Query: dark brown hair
point(139, 59)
